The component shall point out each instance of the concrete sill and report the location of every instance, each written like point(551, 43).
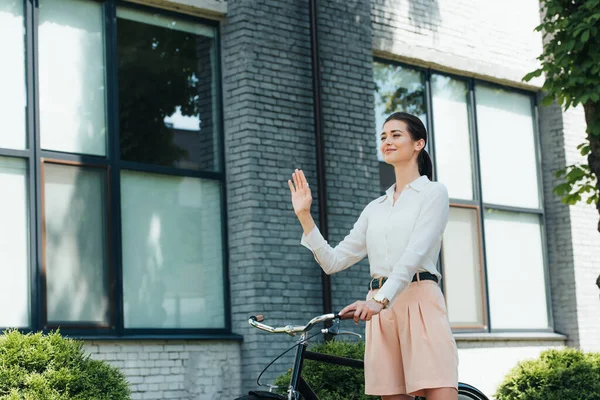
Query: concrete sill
point(166, 338)
point(510, 336)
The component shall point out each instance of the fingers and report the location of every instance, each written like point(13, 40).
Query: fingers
point(292, 189)
point(299, 178)
point(349, 307)
point(303, 178)
point(365, 314)
point(297, 182)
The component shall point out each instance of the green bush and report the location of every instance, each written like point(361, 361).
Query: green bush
point(333, 382)
point(51, 367)
point(565, 374)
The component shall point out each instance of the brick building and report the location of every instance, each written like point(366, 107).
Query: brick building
point(145, 206)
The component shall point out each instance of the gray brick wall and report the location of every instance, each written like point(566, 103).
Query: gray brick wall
point(469, 37)
point(349, 126)
point(182, 370)
point(584, 242)
point(268, 133)
point(558, 226)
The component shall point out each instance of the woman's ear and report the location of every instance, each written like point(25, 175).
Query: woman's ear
point(420, 145)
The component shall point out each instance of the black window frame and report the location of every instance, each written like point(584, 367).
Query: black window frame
point(477, 201)
point(35, 158)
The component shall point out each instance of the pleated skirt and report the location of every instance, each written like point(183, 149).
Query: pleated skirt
point(409, 346)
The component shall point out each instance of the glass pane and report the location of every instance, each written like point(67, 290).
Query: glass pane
point(72, 76)
point(172, 252)
point(14, 244)
point(515, 268)
point(462, 269)
point(506, 133)
point(75, 240)
point(167, 91)
point(452, 136)
point(396, 89)
point(12, 79)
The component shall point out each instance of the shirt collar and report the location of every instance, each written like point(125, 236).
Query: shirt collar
point(418, 185)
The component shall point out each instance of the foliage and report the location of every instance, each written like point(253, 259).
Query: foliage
point(333, 382)
point(565, 374)
point(50, 367)
point(571, 64)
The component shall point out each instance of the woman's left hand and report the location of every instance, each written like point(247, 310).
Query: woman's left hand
point(363, 310)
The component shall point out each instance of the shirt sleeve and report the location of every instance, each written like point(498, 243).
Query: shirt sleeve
point(428, 231)
point(348, 252)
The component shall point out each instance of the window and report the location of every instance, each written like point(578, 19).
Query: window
point(494, 243)
point(13, 106)
point(120, 157)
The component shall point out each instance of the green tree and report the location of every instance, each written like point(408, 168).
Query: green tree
point(571, 64)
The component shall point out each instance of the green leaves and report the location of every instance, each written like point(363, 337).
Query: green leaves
point(579, 182)
point(50, 367)
point(565, 374)
point(571, 56)
point(570, 63)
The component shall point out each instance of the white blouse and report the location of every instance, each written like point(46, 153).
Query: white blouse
point(400, 239)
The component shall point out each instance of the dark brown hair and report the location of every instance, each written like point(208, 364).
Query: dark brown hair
point(417, 131)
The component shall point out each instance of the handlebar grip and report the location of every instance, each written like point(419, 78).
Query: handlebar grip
point(258, 317)
point(348, 315)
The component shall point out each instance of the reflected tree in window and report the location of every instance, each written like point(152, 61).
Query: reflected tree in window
point(166, 96)
point(398, 89)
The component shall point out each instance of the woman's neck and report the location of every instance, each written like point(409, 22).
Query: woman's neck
point(405, 175)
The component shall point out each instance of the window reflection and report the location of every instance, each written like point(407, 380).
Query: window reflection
point(166, 92)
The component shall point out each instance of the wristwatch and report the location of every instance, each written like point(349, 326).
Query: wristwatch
point(381, 299)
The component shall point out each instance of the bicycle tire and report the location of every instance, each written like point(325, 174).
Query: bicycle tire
point(262, 396)
point(468, 392)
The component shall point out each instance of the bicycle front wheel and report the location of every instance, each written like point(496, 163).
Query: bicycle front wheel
point(468, 392)
point(262, 396)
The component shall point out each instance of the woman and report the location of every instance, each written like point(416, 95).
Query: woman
point(410, 349)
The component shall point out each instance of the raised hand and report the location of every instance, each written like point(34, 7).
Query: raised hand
point(301, 196)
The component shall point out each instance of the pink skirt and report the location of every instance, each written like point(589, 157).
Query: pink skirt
point(409, 346)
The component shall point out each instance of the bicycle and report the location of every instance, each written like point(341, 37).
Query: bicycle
point(298, 388)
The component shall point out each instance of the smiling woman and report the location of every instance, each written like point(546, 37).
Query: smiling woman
point(410, 350)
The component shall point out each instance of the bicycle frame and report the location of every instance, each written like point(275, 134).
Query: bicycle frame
point(298, 384)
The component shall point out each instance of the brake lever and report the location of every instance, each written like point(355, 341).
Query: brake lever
point(358, 335)
point(334, 329)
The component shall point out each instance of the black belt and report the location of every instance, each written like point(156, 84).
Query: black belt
point(377, 283)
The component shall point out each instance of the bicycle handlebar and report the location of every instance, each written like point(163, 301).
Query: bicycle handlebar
point(256, 321)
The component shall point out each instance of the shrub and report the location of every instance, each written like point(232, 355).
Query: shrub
point(565, 374)
point(51, 367)
point(333, 382)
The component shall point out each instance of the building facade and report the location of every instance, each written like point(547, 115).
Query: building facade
point(146, 146)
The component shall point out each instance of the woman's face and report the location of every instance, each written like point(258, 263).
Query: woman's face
point(397, 146)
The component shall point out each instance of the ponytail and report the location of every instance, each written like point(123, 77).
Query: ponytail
point(425, 164)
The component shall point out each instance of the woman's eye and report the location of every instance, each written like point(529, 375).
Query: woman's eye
point(396, 135)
